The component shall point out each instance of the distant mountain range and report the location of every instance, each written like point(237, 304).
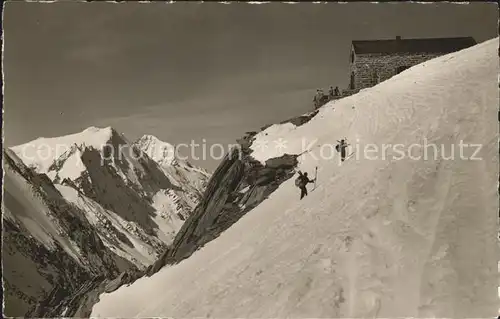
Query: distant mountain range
point(88, 205)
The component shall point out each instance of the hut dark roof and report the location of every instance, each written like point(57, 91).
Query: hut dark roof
point(398, 45)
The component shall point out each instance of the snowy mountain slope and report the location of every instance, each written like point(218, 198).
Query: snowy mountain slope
point(48, 245)
point(115, 232)
point(183, 174)
point(134, 206)
point(381, 236)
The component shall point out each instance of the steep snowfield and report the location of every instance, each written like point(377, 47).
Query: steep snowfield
point(379, 237)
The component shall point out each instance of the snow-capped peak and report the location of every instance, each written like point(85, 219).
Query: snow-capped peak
point(161, 152)
point(95, 129)
point(42, 152)
point(179, 171)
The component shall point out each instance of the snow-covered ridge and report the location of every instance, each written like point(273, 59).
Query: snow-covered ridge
point(161, 152)
point(42, 152)
point(164, 153)
point(377, 238)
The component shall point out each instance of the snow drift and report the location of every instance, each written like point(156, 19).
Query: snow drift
point(382, 235)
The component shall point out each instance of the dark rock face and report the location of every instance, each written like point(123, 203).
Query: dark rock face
point(286, 161)
point(101, 181)
point(104, 186)
point(301, 120)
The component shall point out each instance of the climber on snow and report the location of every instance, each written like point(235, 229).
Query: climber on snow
point(341, 148)
point(301, 182)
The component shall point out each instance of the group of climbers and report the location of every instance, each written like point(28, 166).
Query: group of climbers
point(302, 180)
point(321, 98)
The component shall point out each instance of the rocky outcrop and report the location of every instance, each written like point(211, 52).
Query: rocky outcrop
point(301, 120)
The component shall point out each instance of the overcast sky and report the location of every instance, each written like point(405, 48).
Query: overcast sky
point(191, 71)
